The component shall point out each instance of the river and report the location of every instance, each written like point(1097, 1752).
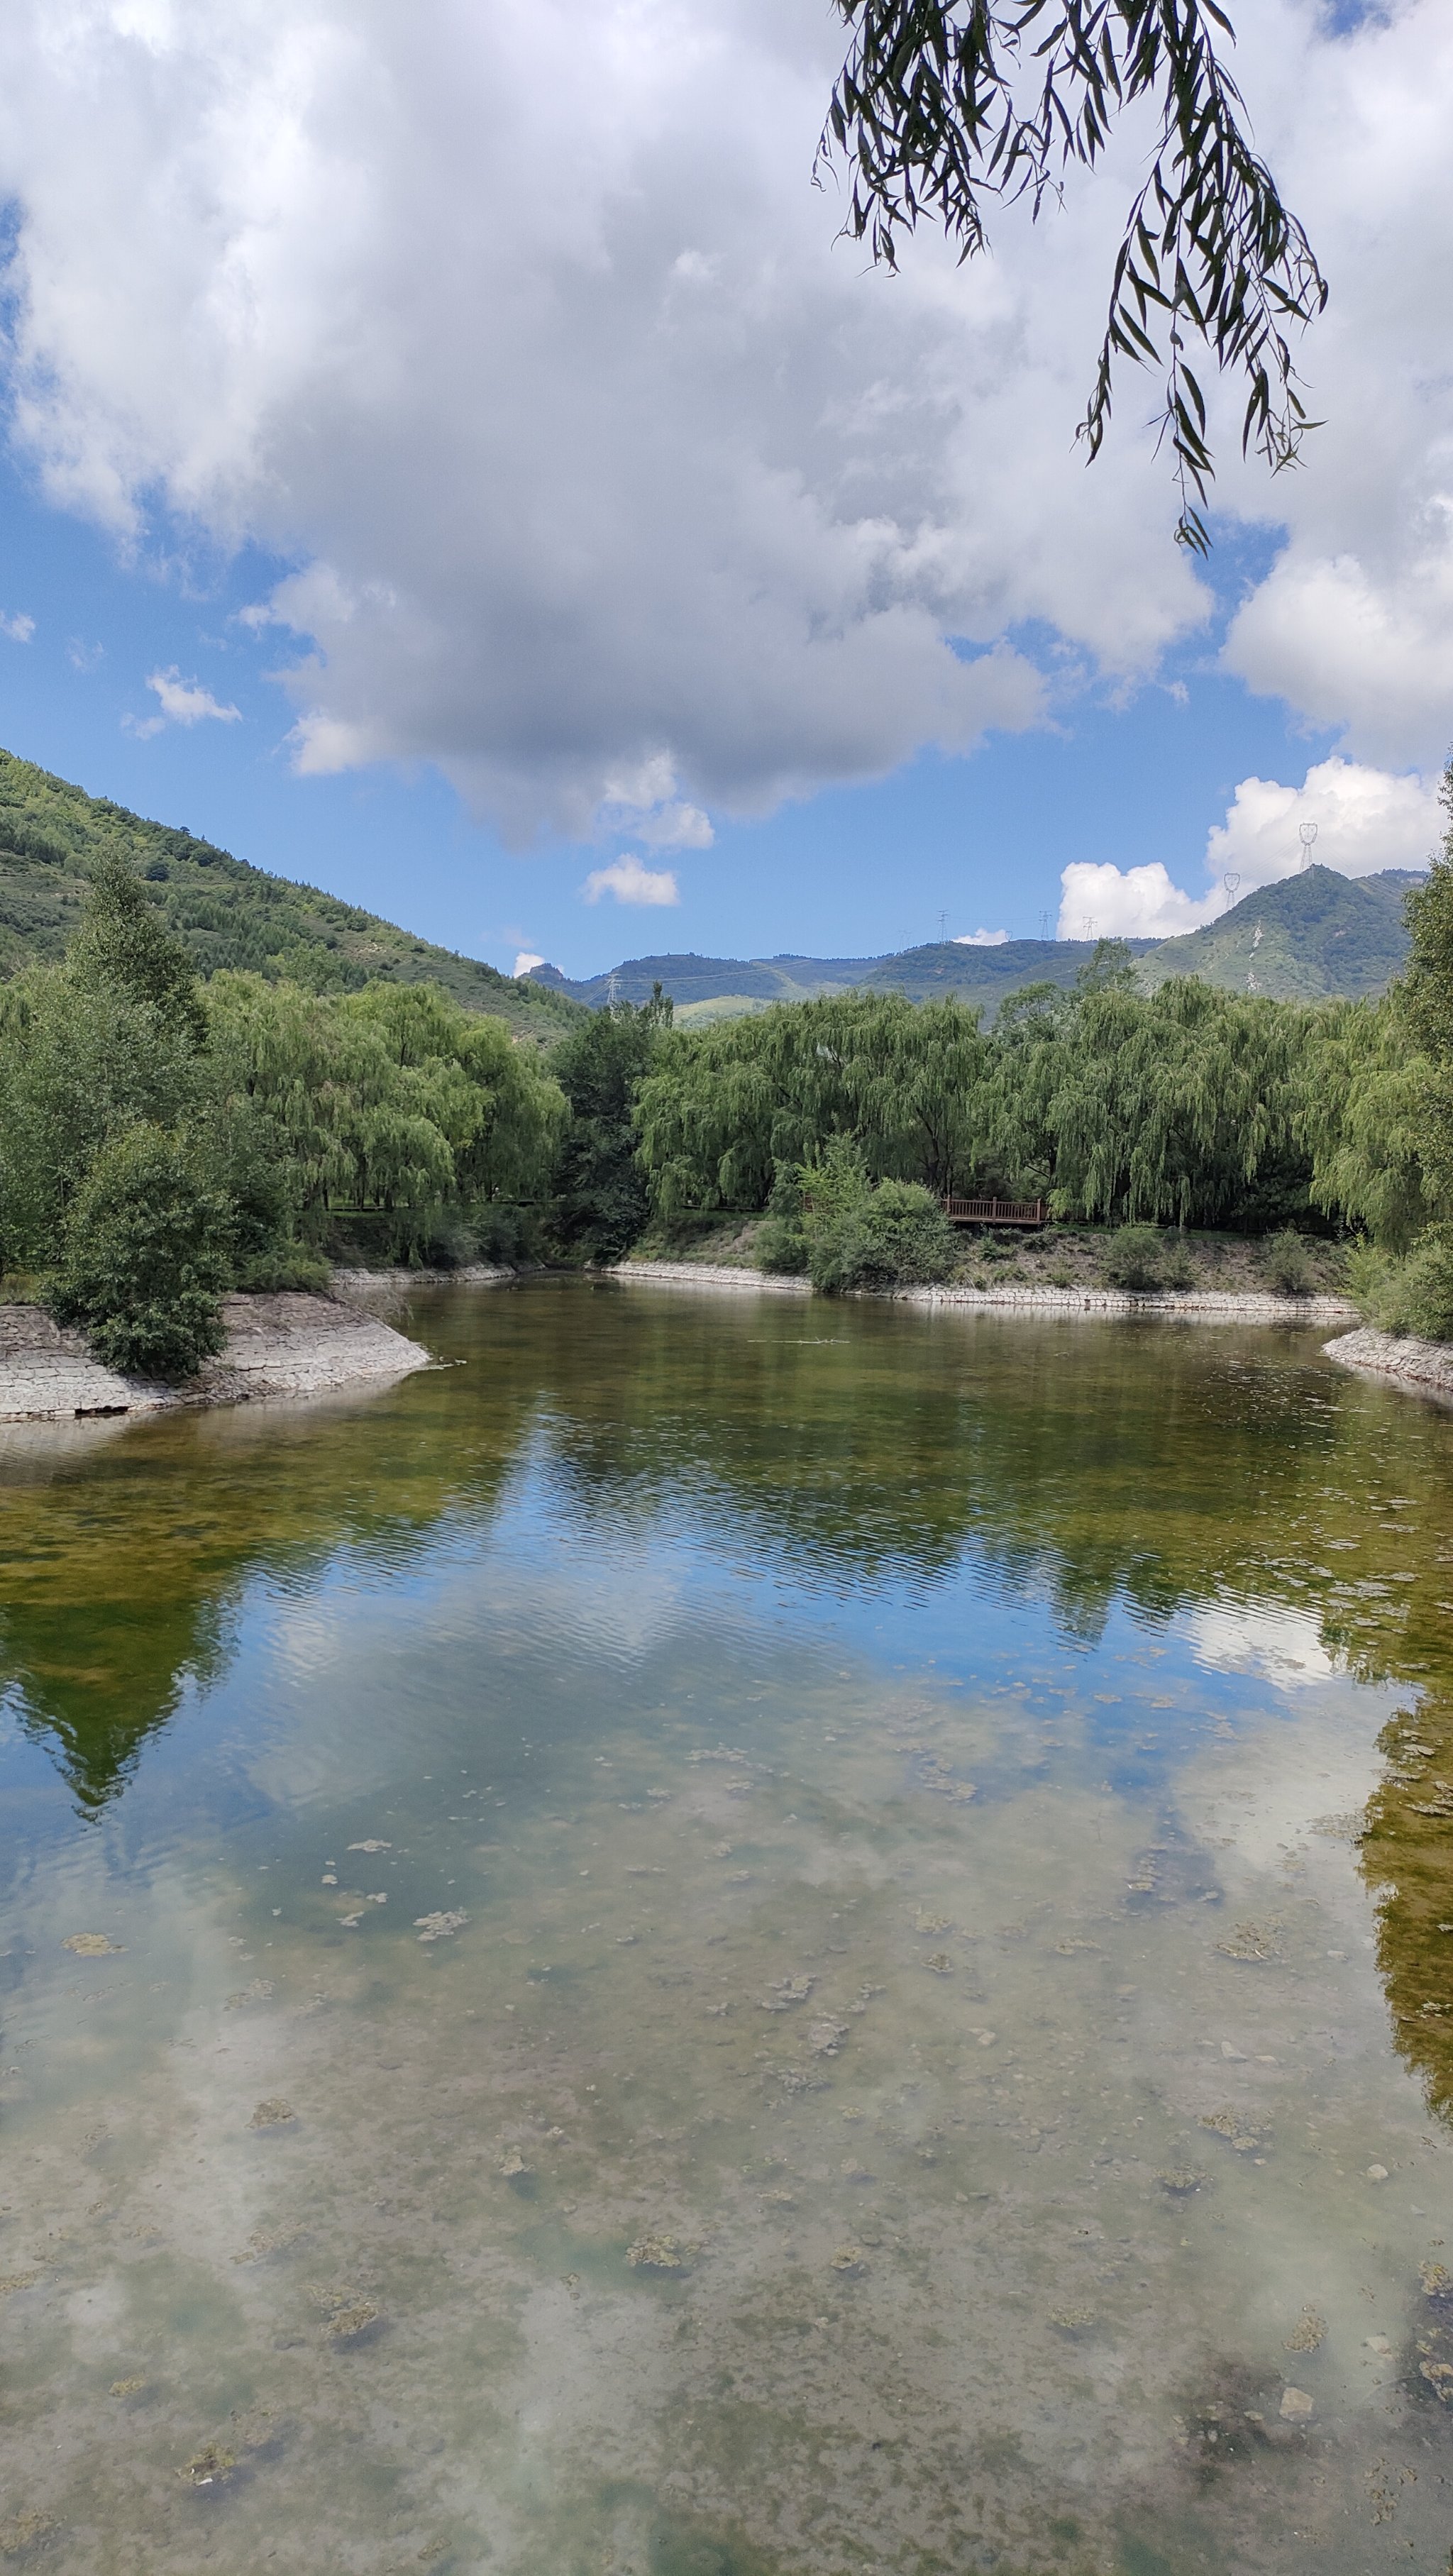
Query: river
point(734, 1937)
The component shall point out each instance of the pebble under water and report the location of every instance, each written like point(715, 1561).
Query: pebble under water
point(735, 1937)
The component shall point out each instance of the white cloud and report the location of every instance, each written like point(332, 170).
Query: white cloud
point(526, 962)
point(1262, 1637)
point(183, 702)
point(637, 470)
point(1366, 819)
point(981, 939)
point(644, 802)
point(627, 881)
point(1105, 902)
point(19, 628)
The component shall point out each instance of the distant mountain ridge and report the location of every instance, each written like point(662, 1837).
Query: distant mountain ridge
point(227, 912)
point(1306, 939)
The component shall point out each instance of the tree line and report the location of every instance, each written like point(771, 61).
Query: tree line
point(163, 1140)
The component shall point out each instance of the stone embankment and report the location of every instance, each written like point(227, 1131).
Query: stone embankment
point(706, 1274)
point(1428, 1366)
point(282, 1345)
point(1199, 1305)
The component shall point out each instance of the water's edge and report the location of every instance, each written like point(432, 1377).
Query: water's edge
point(1201, 1305)
point(289, 1344)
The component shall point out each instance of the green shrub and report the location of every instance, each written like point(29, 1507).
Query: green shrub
point(145, 1254)
point(1134, 1259)
point(897, 1236)
point(781, 1247)
point(1413, 1295)
point(1287, 1264)
point(1179, 1269)
point(1060, 1276)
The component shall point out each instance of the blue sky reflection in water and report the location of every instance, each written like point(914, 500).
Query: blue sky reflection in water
point(736, 1938)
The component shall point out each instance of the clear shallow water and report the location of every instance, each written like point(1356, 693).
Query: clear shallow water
point(953, 1819)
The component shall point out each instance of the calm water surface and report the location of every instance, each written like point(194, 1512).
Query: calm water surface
point(735, 1937)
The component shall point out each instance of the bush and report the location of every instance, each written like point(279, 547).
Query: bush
point(1180, 1270)
point(1287, 1264)
point(896, 1237)
point(1134, 1259)
point(145, 1256)
point(1414, 1295)
point(780, 1247)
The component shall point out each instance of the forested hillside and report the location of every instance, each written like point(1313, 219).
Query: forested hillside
point(1315, 937)
point(226, 913)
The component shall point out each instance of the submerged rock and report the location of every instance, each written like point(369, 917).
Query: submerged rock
point(1250, 1941)
point(274, 2113)
point(658, 2252)
point(1309, 2331)
point(347, 2324)
point(92, 1945)
point(439, 1927)
point(786, 1992)
point(212, 2463)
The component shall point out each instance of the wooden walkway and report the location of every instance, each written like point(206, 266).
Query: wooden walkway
point(1026, 1212)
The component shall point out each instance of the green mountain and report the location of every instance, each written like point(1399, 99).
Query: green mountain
point(705, 988)
point(1312, 936)
point(228, 913)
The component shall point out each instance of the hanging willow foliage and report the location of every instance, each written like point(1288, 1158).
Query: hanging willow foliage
point(943, 105)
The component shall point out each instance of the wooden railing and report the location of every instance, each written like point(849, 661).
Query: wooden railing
point(996, 1211)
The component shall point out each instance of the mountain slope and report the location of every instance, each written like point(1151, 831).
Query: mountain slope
point(1312, 936)
point(706, 986)
point(229, 914)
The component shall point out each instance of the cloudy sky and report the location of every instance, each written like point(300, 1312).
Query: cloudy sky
point(451, 457)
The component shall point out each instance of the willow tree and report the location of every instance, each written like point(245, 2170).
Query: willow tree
point(727, 1108)
point(946, 108)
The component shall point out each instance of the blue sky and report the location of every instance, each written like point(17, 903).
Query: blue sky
point(852, 870)
point(451, 536)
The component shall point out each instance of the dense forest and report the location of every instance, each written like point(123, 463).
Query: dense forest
point(225, 913)
point(163, 1138)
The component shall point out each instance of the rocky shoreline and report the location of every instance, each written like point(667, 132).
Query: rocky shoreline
point(1425, 1366)
point(287, 1344)
point(1200, 1305)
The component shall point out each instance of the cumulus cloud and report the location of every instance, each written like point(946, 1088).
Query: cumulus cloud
point(1357, 820)
point(19, 627)
point(616, 488)
point(526, 962)
point(645, 803)
point(183, 702)
point(981, 939)
point(627, 881)
point(1105, 902)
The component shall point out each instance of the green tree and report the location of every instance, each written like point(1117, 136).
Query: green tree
point(1427, 999)
point(145, 1254)
point(76, 1067)
point(727, 1108)
point(599, 1201)
point(391, 1100)
point(123, 947)
point(947, 106)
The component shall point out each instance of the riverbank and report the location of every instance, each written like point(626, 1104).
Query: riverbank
point(288, 1344)
point(1201, 1305)
point(1425, 1366)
